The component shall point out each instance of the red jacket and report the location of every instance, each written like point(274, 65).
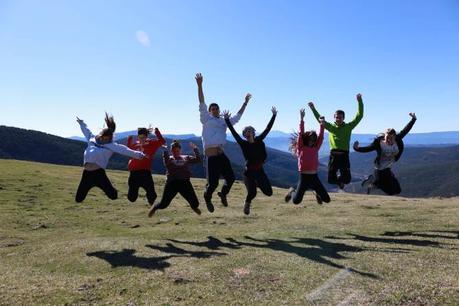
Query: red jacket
point(149, 148)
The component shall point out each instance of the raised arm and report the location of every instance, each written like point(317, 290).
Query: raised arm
point(123, 150)
point(320, 139)
point(197, 156)
point(160, 138)
point(299, 141)
point(328, 126)
point(84, 129)
point(199, 79)
point(203, 112)
point(130, 142)
point(236, 136)
point(270, 124)
point(166, 157)
point(358, 117)
point(235, 119)
point(366, 149)
point(408, 127)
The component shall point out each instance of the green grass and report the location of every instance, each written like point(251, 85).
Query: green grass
point(356, 250)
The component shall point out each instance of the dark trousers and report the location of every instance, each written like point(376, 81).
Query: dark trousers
point(141, 178)
point(216, 166)
point(96, 178)
point(309, 181)
point(254, 179)
point(387, 182)
point(183, 187)
point(339, 161)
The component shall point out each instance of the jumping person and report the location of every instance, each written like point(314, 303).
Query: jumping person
point(306, 146)
point(389, 148)
point(96, 156)
point(213, 140)
point(254, 152)
point(178, 178)
point(140, 170)
point(340, 137)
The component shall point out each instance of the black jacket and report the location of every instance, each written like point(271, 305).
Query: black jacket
point(254, 153)
point(376, 144)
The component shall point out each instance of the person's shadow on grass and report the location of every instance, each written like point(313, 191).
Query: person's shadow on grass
point(126, 258)
point(316, 250)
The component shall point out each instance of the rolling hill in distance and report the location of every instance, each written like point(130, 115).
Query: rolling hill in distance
point(424, 171)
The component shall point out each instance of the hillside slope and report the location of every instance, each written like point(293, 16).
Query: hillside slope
point(358, 250)
point(41, 147)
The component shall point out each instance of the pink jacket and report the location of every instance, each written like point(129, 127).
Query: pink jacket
point(308, 157)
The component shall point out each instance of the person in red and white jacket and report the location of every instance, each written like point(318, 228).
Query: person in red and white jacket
point(140, 170)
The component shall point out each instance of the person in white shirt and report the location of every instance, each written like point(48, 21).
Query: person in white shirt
point(96, 156)
point(213, 139)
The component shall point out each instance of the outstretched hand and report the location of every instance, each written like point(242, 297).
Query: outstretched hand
point(274, 110)
point(356, 145)
point(311, 105)
point(198, 79)
point(226, 114)
point(413, 115)
point(359, 97)
point(302, 113)
point(79, 120)
point(322, 121)
point(248, 96)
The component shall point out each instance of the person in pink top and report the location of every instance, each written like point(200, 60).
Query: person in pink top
point(306, 147)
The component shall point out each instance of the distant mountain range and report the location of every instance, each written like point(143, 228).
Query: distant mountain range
point(280, 140)
point(424, 170)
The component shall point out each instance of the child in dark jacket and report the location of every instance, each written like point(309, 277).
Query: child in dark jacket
point(254, 151)
point(178, 177)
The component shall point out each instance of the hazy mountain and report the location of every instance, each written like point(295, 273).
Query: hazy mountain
point(423, 171)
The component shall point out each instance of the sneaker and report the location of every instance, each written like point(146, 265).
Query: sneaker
point(210, 206)
point(223, 199)
point(152, 211)
point(196, 210)
point(368, 180)
point(288, 196)
point(247, 208)
point(318, 198)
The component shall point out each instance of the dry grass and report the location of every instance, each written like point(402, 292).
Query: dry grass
point(356, 250)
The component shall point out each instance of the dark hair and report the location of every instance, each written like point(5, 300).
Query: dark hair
point(142, 131)
point(340, 112)
point(213, 104)
point(111, 126)
point(391, 131)
point(175, 144)
point(306, 137)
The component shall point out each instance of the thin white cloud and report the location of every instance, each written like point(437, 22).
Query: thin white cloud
point(142, 38)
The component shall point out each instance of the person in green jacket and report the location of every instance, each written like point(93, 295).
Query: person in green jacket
point(340, 137)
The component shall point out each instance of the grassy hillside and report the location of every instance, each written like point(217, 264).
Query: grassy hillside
point(41, 147)
point(356, 250)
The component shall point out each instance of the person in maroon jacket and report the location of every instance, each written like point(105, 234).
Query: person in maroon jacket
point(178, 177)
point(140, 170)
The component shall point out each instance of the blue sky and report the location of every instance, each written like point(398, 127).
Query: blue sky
point(59, 59)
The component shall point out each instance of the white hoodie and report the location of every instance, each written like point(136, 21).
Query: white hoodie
point(214, 128)
point(100, 154)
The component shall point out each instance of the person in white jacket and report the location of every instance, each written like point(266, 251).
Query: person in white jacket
point(213, 139)
point(96, 156)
